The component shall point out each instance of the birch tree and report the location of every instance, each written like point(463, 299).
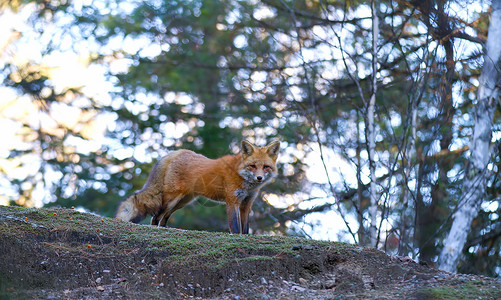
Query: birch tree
point(371, 137)
point(474, 185)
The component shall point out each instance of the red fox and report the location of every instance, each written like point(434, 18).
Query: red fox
point(182, 175)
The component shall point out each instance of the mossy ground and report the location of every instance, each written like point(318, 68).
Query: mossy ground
point(65, 253)
point(477, 289)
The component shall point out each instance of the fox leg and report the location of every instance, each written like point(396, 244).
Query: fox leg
point(244, 218)
point(164, 218)
point(169, 211)
point(234, 221)
point(245, 209)
point(170, 201)
point(156, 218)
point(161, 218)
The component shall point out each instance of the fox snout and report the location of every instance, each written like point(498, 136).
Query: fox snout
point(261, 177)
point(251, 177)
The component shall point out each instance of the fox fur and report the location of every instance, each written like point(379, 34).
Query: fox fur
point(183, 175)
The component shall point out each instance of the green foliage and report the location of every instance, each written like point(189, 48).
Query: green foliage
point(203, 75)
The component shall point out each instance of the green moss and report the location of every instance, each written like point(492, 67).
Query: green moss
point(258, 258)
point(142, 253)
point(210, 250)
point(468, 290)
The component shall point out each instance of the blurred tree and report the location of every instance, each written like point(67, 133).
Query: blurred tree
point(197, 79)
point(46, 147)
point(205, 74)
point(201, 70)
point(420, 140)
point(475, 181)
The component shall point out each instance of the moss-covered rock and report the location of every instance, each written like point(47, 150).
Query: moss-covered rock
point(68, 254)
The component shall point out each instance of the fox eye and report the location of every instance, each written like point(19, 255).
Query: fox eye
point(252, 167)
point(267, 168)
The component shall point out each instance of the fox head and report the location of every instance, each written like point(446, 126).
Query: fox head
point(259, 163)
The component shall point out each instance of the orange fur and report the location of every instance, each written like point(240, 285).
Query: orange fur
point(183, 175)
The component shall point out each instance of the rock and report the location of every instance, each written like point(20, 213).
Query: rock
point(264, 297)
point(298, 288)
point(303, 247)
point(329, 284)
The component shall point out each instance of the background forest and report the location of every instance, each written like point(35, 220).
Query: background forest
point(375, 104)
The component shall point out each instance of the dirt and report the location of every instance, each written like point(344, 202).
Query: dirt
point(61, 253)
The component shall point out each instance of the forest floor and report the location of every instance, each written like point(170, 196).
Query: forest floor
point(62, 253)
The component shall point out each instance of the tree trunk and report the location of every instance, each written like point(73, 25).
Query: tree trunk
point(403, 246)
point(370, 126)
point(362, 236)
point(475, 175)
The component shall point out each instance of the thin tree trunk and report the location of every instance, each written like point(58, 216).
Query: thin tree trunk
point(362, 240)
point(475, 175)
point(371, 135)
point(404, 240)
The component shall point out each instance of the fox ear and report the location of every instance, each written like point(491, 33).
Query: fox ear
point(272, 149)
point(247, 149)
